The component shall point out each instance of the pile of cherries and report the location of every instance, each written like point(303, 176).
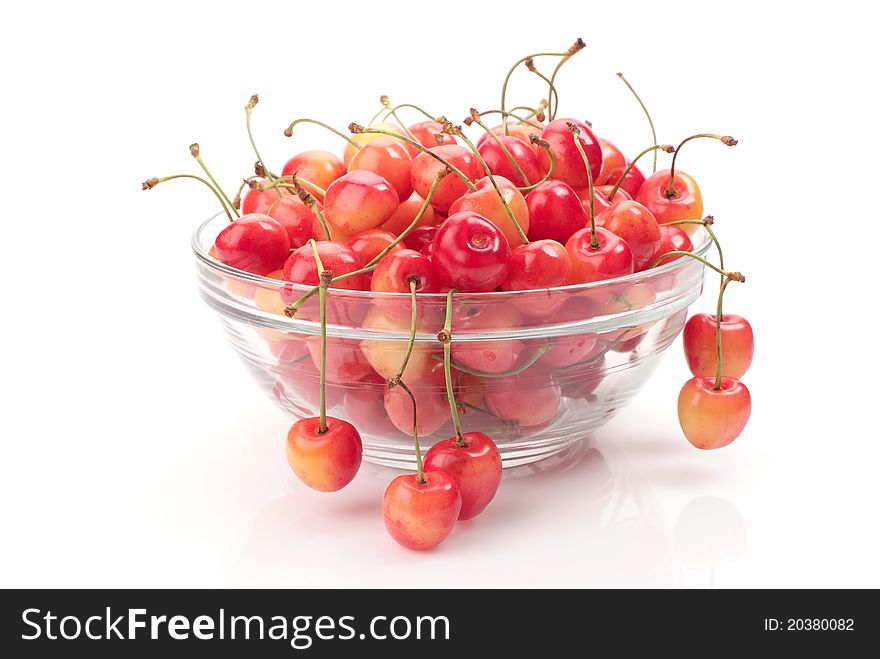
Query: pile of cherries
point(536, 202)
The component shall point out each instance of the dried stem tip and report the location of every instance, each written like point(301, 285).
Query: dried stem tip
point(574, 129)
point(252, 183)
point(392, 382)
point(150, 183)
point(326, 277)
point(383, 99)
point(288, 132)
point(540, 116)
point(194, 150)
point(543, 104)
point(709, 220)
point(444, 336)
point(304, 195)
point(736, 276)
point(729, 141)
point(578, 46)
point(666, 148)
point(530, 65)
point(258, 169)
point(252, 103)
point(452, 129)
point(355, 129)
point(540, 141)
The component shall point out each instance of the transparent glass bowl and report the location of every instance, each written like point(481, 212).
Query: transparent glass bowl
point(593, 346)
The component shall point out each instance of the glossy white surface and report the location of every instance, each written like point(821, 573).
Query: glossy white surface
point(135, 450)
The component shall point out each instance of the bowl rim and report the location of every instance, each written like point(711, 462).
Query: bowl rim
point(495, 296)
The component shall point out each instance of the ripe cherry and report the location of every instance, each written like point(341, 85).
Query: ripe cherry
point(386, 356)
point(297, 219)
point(325, 461)
point(419, 237)
point(573, 348)
point(429, 134)
point(500, 164)
point(486, 202)
point(609, 257)
point(530, 399)
point(612, 159)
point(493, 355)
point(359, 200)
point(606, 190)
point(425, 169)
point(339, 259)
point(635, 224)
point(257, 200)
point(362, 139)
point(700, 347)
point(539, 264)
point(555, 212)
point(713, 418)
point(254, 243)
point(406, 212)
point(475, 466)
point(394, 273)
point(672, 239)
point(569, 163)
point(370, 243)
point(318, 167)
point(631, 183)
point(389, 159)
point(345, 361)
point(520, 130)
point(432, 409)
point(420, 515)
point(470, 252)
point(364, 407)
point(686, 202)
point(302, 379)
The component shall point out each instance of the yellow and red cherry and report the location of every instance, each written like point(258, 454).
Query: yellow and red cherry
point(701, 348)
point(254, 243)
point(386, 356)
point(256, 200)
point(672, 239)
point(555, 212)
point(520, 130)
point(358, 201)
point(421, 514)
point(300, 267)
point(405, 214)
point(433, 411)
point(712, 418)
point(296, 218)
point(539, 264)
point(475, 466)
point(397, 269)
point(325, 461)
point(530, 399)
point(370, 243)
point(569, 166)
point(470, 253)
point(612, 159)
point(318, 167)
point(619, 195)
point(631, 183)
point(362, 139)
point(346, 362)
point(607, 257)
point(685, 202)
point(493, 355)
point(363, 406)
point(499, 163)
point(600, 201)
point(425, 169)
point(635, 224)
point(389, 159)
point(429, 134)
point(485, 202)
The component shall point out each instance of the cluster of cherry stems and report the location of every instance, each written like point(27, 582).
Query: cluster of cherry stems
point(529, 206)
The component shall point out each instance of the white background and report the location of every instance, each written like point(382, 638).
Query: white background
point(135, 450)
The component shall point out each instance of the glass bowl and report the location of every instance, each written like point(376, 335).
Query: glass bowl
point(562, 361)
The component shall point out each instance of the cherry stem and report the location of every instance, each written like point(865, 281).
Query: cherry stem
point(358, 129)
point(308, 185)
point(727, 140)
point(647, 114)
point(475, 118)
point(719, 314)
point(523, 120)
point(322, 275)
point(733, 276)
point(445, 337)
point(392, 112)
point(448, 127)
point(530, 65)
point(413, 284)
point(507, 80)
point(236, 201)
point(195, 151)
point(292, 308)
point(575, 134)
point(706, 223)
point(383, 99)
point(249, 108)
point(306, 198)
point(289, 130)
point(151, 183)
point(578, 46)
point(419, 467)
point(535, 356)
point(668, 148)
point(544, 144)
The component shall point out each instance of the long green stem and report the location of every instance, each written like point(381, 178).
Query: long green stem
point(668, 148)
point(392, 112)
point(419, 467)
point(516, 370)
point(306, 198)
point(413, 284)
point(727, 140)
point(734, 276)
point(544, 144)
point(706, 223)
point(385, 105)
point(249, 108)
point(523, 120)
point(575, 48)
point(195, 151)
point(322, 420)
point(507, 80)
point(289, 130)
point(554, 95)
point(308, 185)
point(445, 337)
point(647, 114)
point(575, 133)
point(719, 313)
point(151, 183)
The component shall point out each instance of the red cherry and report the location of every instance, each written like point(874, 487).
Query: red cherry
point(421, 515)
point(521, 152)
point(636, 225)
point(318, 167)
point(685, 204)
point(297, 219)
point(394, 273)
point(370, 243)
point(359, 200)
point(600, 201)
point(254, 243)
point(389, 159)
point(486, 202)
point(259, 201)
point(620, 195)
point(362, 139)
point(574, 348)
point(325, 461)
point(569, 163)
point(419, 237)
point(406, 212)
point(612, 159)
point(672, 239)
point(470, 253)
point(345, 360)
point(701, 350)
point(555, 212)
point(491, 356)
point(386, 356)
point(302, 378)
point(540, 264)
point(429, 134)
point(632, 182)
point(612, 258)
point(433, 410)
point(425, 169)
point(300, 267)
point(521, 131)
point(476, 467)
point(531, 398)
point(712, 418)
point(364, 407)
